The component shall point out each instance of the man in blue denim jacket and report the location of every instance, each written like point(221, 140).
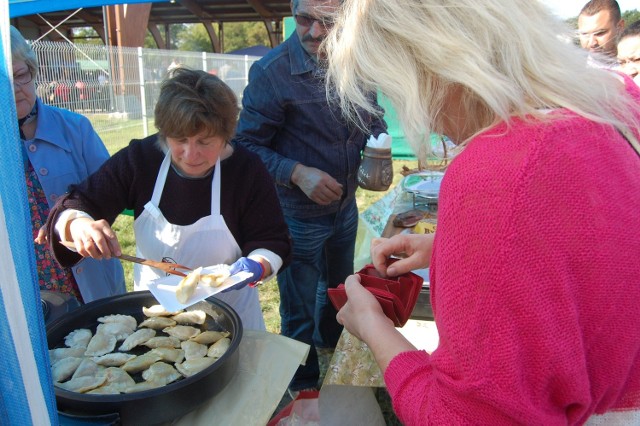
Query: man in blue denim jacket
point(313, 155)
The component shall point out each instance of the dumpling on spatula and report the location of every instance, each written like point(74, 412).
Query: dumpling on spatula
point(217, 277)
point(188, 285)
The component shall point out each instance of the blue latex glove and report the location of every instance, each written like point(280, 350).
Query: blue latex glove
point(246, 265)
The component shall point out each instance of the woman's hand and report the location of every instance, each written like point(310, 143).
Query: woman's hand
point(93, 238)
point(41, 238)
point(362, 312)
point(415, 250)
point(363, 317)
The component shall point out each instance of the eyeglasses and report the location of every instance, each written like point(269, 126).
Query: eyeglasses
point(307, 21)
point(23, 78)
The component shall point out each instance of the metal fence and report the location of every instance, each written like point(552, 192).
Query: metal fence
point(117, 87)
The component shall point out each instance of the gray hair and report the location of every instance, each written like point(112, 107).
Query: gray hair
point(192, 102)
point(22, 51)
point(317, 4)
point(507, 60)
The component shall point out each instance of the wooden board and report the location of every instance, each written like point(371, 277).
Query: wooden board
point(390, 229)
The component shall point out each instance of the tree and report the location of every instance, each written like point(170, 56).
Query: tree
point(194, 38)
point(572, 23)
point(238, 35)
point(174, 35)
point(87, 35)
point(631, 16)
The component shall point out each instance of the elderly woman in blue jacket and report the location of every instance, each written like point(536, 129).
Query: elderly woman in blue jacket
point(60, 148)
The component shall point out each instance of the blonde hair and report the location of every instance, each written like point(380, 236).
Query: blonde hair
point(506, 58)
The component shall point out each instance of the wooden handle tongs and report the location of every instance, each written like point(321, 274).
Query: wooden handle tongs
point(168, 267)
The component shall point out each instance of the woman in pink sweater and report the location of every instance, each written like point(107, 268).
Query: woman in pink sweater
point(535, 267)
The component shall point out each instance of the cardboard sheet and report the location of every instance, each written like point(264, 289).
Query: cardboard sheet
point(267, 364)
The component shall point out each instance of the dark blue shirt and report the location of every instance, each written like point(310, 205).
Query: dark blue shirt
point(286, 119)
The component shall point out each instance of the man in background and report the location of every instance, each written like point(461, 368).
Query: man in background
point(629, 51)
point(599, 26)
point(313, 155)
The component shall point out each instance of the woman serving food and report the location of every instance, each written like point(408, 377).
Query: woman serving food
point(197, 200)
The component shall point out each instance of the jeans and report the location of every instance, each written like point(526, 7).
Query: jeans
point(323, 251)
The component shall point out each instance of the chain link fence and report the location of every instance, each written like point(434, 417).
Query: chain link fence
point(117, 87)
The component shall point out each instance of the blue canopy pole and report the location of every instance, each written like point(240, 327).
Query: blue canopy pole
point(26, 387)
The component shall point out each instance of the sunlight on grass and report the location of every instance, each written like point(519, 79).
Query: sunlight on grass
point(123, 227)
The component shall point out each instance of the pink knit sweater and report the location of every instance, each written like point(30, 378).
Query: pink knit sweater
point(535, 282)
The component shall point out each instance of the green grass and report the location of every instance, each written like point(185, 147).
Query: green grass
point(123, 226)
point(269, 295)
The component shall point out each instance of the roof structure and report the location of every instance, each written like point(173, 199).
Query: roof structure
point(183, 12)
point(191, 11)
point(163, 13)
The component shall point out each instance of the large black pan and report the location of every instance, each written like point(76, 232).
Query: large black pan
point(156, 405)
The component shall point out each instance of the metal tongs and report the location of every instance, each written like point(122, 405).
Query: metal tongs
point(168, 267)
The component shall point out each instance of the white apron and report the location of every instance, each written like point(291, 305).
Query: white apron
point(206, 242)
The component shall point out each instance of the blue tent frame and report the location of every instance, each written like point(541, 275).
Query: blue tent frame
point(31, 7)
point(26, 391)
point(26, 386)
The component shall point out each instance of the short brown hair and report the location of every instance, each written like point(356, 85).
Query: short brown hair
point(594, 6)
point(192, 102)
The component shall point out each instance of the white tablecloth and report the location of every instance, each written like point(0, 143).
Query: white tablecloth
point(347, 394)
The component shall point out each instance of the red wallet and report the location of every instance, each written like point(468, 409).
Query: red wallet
point(397, 296)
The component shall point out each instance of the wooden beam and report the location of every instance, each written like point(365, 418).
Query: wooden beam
point(259, 7)
point(157, 37)
point(88, 17)
point(274, 38)
point(94, 22)
point(127, 24)
point(215, 41)
point(195, 8)
point(205, 19)
point(36, 21)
